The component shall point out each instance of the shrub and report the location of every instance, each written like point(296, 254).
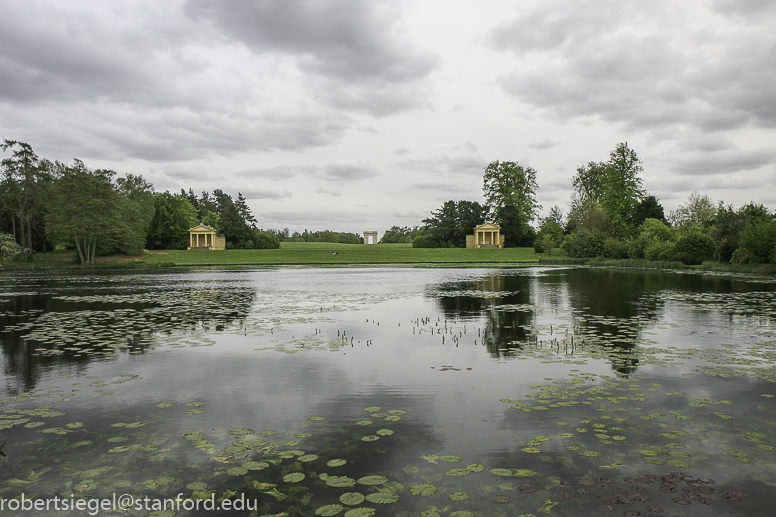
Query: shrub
point(266, 241)
point(585, 243)
point(660, 250)
point(758, 240)
point(615, 248)
point(550, 236)
point(694, 246)
point(423, 241)
point(8, 247)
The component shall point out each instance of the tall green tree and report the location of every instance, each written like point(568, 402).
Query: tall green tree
point(25, 179)
point(169, 227)
point(138, 199)
point(449, 225)
point(622, 190)
point(510, 191)
point(85, 209)
point(589, 183)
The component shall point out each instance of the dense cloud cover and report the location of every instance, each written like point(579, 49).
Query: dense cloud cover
point(350, 114)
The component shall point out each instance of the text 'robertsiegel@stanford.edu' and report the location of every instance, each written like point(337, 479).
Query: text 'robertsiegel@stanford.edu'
point(124, 502)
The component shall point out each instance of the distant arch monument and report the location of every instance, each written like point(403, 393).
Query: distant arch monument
point(486, 235)
point(370, 237)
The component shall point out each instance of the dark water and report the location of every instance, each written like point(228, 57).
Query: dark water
point(504, 392)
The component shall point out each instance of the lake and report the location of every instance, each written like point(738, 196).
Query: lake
point(388, 391)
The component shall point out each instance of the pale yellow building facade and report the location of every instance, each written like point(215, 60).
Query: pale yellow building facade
point(203, 237)
point(486, 235)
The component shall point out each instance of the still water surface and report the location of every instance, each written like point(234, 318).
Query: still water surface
point(392, 391)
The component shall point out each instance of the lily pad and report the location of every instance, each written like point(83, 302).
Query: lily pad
point(337, 462)
point(458, 496)
point(450, 459)
point(340, 481)
point(255, 465)
point(360, 512)
point(329, 510)
point(382, 498)
point(372, 480)
point(423, 489)
point(351, 498)
point(294, 477)
point(242, 431)
point(457, 472)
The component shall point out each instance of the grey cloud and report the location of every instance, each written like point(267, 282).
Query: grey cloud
point(280, 172)
point(446, 164)
point(329, 192)
point(254, 192)
point(444, 190)
point(411, 214)
point(401, 151)
point(143, 80)
point(543, 144)
point(356, 48)
point(315, 220)
point(643, 64)
point(349, 171)
point(724, 161)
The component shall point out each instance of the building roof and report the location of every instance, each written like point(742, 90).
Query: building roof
point(202, 228)
point(487, 226)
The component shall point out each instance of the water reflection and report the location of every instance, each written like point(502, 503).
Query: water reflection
point(73, 327)
point(529, 384)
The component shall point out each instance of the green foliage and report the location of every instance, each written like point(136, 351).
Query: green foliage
point(648, 208)
point(585, 243)
point(694, 246)
point(550, 236)
point(138, 210)
point(660, 250)
point(423, 241)
point(448, 226)
point(517, 232)
point(326, 236)
point(265, 240)
point(510, 190)
point(8, 247)
point(728, 225)
point(398, 235)
point(169, 227)
point(615, 248)
point(86, 209)
point(590, 216)
point(25, 182)
point(622, 187)
point(758, 242)
point(651, 231)
point(589, 183)
point(696, 211)
point(612, 188)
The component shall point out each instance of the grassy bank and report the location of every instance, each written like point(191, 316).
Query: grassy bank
point(298, 253)
point(319, 253)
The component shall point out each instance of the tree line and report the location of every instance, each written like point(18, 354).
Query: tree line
point(610, 215)
point(45, 204)
point(510, 201)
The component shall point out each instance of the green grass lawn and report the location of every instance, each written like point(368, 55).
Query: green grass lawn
point(298, 253)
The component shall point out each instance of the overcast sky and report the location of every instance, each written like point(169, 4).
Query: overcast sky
point(356, 115)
